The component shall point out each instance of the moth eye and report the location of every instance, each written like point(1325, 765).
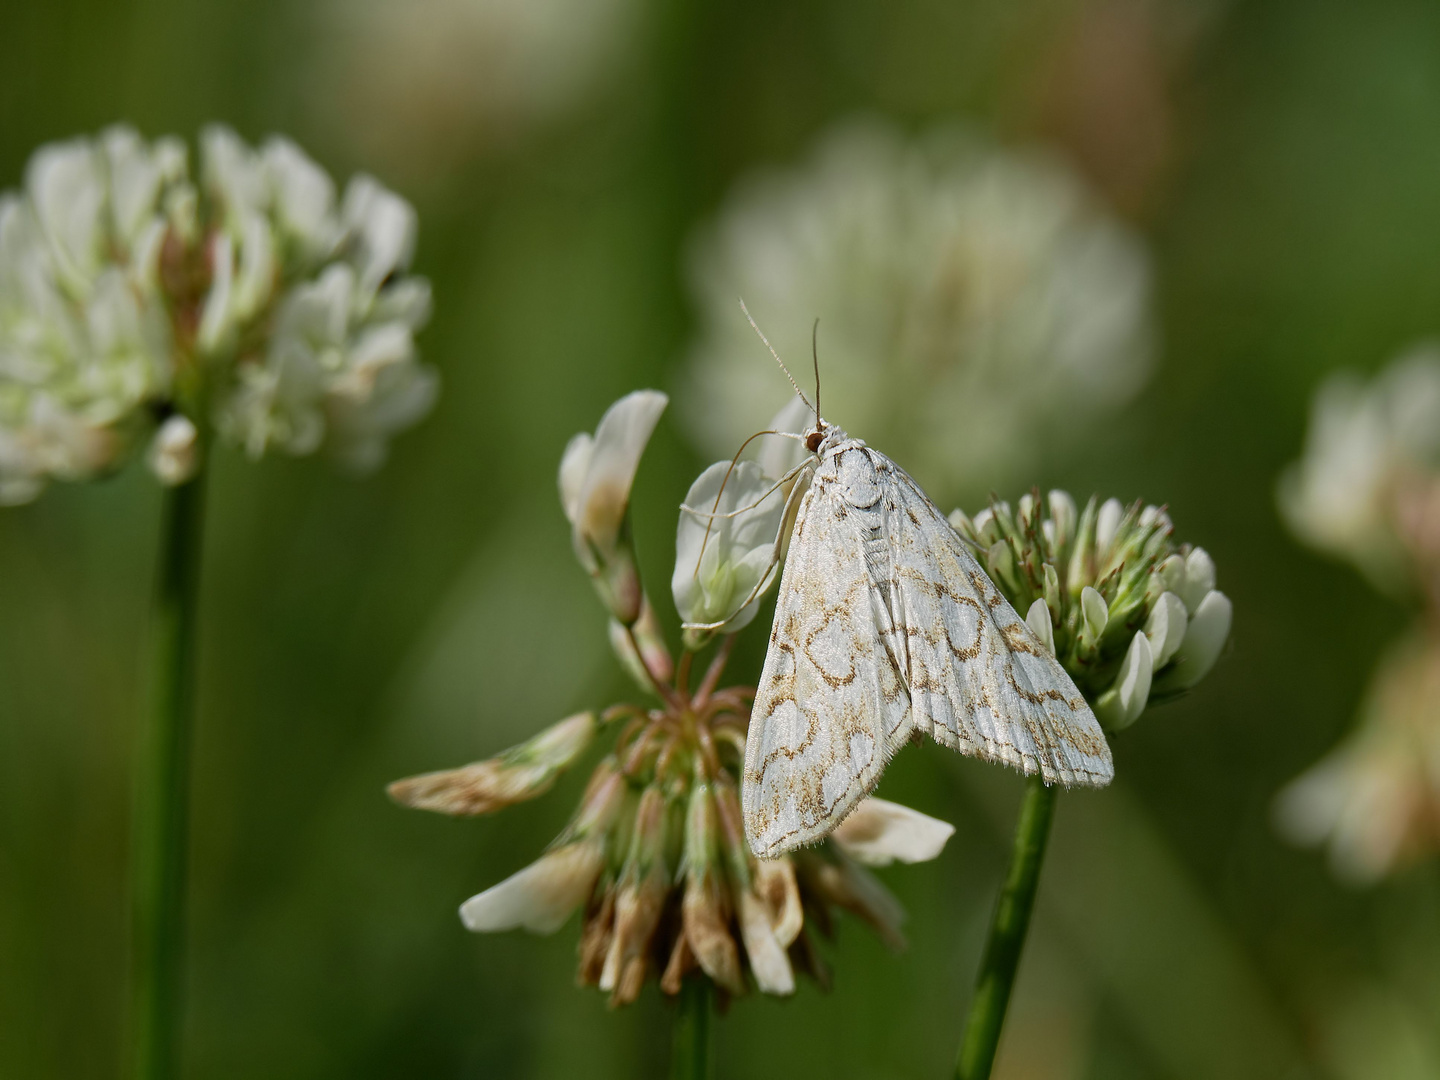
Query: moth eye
point(813, 440)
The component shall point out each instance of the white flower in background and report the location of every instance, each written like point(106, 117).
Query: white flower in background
point(340, 365)
point(1368, 445)
point(422, 84)
point(976, 307)
point(1375, 800)
point(127, 295)
point(85, 340)
point(174, 452)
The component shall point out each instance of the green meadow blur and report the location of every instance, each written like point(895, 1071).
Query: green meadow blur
point(1282, 160)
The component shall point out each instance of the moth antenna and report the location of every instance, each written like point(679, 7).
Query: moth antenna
point(773, 353)
point(815, 354)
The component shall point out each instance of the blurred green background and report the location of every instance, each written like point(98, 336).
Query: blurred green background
point(1282, 160)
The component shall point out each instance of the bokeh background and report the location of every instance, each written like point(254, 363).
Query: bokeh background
point(1279, 160)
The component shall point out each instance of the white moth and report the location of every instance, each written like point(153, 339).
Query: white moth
point(886, 629)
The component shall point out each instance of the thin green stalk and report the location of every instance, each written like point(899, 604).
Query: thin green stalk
point(1007, 935)
point(690, 1059)
point(162, 791)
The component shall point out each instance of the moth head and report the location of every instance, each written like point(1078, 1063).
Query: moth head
point(814, 439)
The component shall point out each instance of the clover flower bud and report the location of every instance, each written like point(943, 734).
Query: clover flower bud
point(726, 550)
point(706, 909)
point(1131, 615)
point(174, 453)
point(1121, 705)
point(520, 773)
point(596, 474)
point(1040, 623)
point(1095, 612)
point(1199, 579)
point(878, 832)
point(639, 901)
point(1107, 522)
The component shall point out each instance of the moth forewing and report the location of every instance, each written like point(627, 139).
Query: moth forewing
point(886, 625)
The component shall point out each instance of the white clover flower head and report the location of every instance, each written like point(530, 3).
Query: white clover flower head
point(1366, 443)
point(656, 853)
point(968, 296)
point(1134, 617)
point(1374, 801)
point(424, 84)
point(255, 305)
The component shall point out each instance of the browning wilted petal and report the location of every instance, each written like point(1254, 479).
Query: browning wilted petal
point(776, 885)
point(521, 773)
point(595, 936)
point(681, 963)
point(839, 880)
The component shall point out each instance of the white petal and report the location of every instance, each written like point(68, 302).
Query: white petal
point(1199, 578)
point(304, 195)
point(778, 456)
point(1038, 619)
point(1063, 514)
point(173, 450)
point(540, 897)
point(1122, 704)
point(719, 561)
point(1204, 638)
point(383, 225)
point(620, 439)
point(1106, 522)
point(1095, 611)
point(215, 316)
point(768, 961)
point(878, 832)
point(573, 466)
point(1166, 628)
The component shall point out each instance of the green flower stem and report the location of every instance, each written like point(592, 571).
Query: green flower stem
point(690, 1058)
point(162, 791)
point(1007, 935)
